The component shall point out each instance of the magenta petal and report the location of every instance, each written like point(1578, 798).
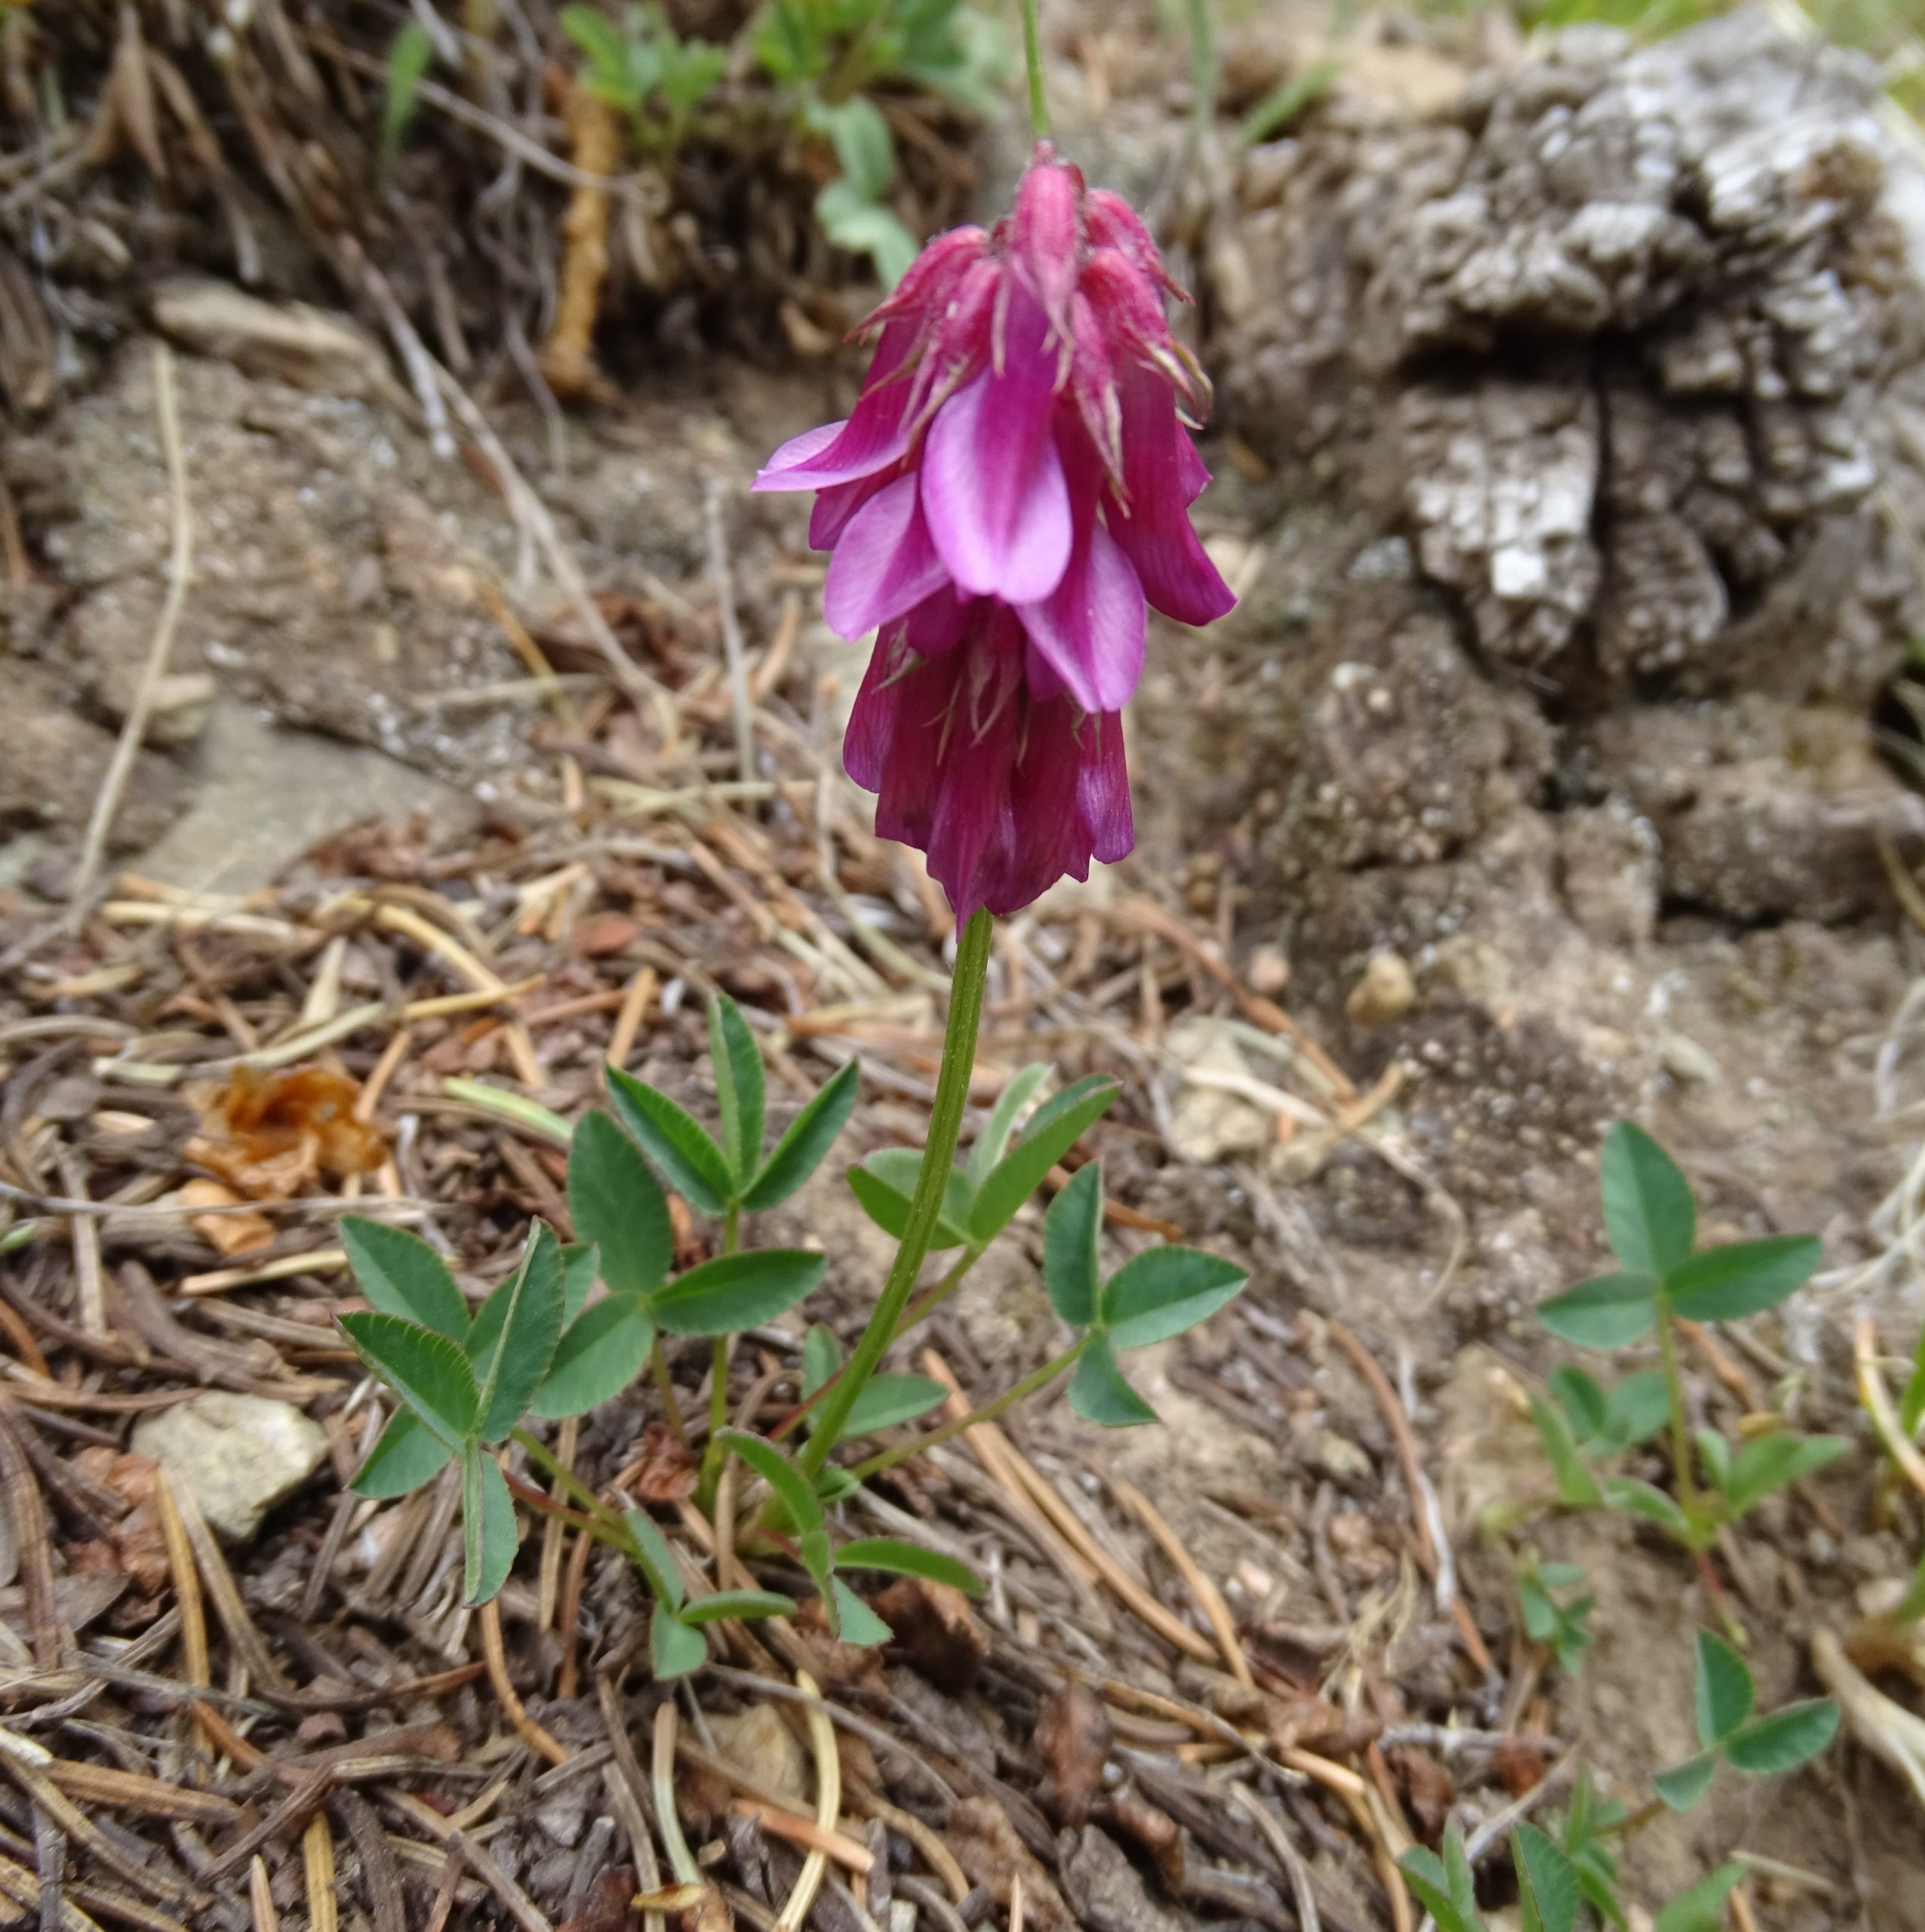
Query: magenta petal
point(1091, 628)
point(834, 508)
point(1102, 790)
point(993, 486)
point(1153, 525)
point(1193, 476)
point(884, 564)
point(939, 623)
point(1042, 230)
point(876, 435)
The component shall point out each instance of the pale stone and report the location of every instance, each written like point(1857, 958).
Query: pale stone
point(236, 1455)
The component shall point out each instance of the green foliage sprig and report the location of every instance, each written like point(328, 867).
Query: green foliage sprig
point(573, 1325)
point(1650, 1220)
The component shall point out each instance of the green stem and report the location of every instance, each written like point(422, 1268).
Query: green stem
point(1680, 1433)
point(546, 1459)
point(939, 1293)
point(1032, 59)
point(966, 988)
point(1030, 1383)
point(711, 1452)
point(1202, 70)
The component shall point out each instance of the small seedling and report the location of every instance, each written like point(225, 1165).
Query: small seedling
point(1651, 1221)
point(1552, 1616)
point(1729, 1732)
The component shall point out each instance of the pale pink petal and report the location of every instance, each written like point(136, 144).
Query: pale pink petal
point(993, 485)
point(798, 454)
point(1091, 628)
point(884, 564)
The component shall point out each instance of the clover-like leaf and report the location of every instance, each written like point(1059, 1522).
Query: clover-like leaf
point(745, 1603)
point(992, 1142)
point(1070, 1276)
point(1768, 1463)
point(885, 1185)
point(424, 1368)
point(516, 1333)
point(1638, 1408)
point(1683, 1785)
point(1700, 1908)
point(908, 1559)
point(1548, 1890)
point(1641, 1499)
point(406, 1454)
point(674, 1648)
point(655, 1560)
point(600, 1353)
point(1649, 1217)
point(853, 1620)
point(581, 1269)
point(1581, 1398)
point(1725, 1693)
point(1576, 1485)
point(1444, 1886)
point(736, 1291)
point(739, 1092)
point(487, 1526)
point(821, 1357)
point(887, 1400)
point(1605, 1313)
point(678, 1146)
point(1099, 1393)
point(616, 1202)
point(806, 1139)
point(1052, 1131)
point(1782, 1739)
point(400, 1274)
point(1742, 1278)
point(1164, 1290)
point(792, 1490)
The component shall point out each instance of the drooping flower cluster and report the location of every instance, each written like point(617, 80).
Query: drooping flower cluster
point(1012, 489)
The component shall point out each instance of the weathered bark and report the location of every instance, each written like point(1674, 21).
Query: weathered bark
point(1627, 350)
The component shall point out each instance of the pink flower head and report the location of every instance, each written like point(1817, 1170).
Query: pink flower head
point(1012, 492)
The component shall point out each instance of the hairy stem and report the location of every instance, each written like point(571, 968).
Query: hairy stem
point(1032, 61)
point(1030, 1383)
point(966, 988)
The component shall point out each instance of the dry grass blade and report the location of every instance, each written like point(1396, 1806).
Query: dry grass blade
point(260, 1898)
point(829, 1806)
point(1209, 1598)
point(531, 1733)
point(317, 1855)
point(35, 1556)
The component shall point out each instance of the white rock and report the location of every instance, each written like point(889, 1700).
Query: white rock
point(237, 1456)
point(1207, 1124)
